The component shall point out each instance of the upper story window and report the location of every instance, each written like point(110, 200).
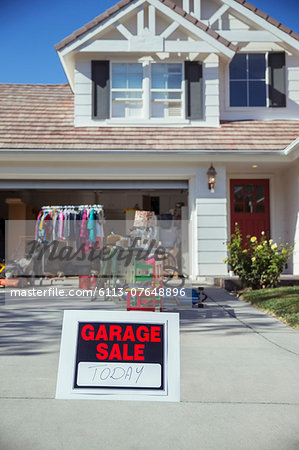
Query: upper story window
point(127, 90)
point(248, 80)
point(167, 90)
point(258, 80)
point(147, 91)
point(128, 93)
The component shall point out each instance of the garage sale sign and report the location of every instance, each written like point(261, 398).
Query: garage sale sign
point(119, 355)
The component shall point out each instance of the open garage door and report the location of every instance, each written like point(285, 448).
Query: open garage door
point(21, 200)
point(93, 185)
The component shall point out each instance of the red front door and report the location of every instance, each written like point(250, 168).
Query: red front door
point(249, 201)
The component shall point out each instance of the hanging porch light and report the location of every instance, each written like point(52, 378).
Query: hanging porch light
point(212, 178)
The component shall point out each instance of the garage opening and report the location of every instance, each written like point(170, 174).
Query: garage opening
point(23, 200)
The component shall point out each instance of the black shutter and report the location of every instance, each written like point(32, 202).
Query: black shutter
point(277, 79)
point(100, 89)
point(194, 90)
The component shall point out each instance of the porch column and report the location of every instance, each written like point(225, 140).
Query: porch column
point(211, 217)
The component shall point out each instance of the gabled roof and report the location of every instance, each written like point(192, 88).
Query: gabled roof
point(268, 18)
point(41, 117)
point(120, 5)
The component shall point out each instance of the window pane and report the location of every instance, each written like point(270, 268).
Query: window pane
point(249, 203)
point(158, 109)
point(158, 76)
point(260, 198)
point(127, 109)
point(119, 68)
point(166, 109)
point(260, 208)
point(259, 193)
point(134, 68)
point(135, 75)
point(257, 93)
point(134, 109)
point(166, 95)
point(158, 69)
point(238, 93)
point(174, 81)
point(174, 68)
point(174, 76)
point(119, 76)
point(256, 66)
point(166, 76)
point(126, 94)
point(159, 82)
point(238, 207)
point(238, 193)
point(135, 81)
point(249, 188)
point(127, 76)
point(119, 81)
point(237, 68)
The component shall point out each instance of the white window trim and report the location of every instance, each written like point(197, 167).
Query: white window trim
point(182, 91)
point(146, 86)
point(229, 108)
point(123, 90)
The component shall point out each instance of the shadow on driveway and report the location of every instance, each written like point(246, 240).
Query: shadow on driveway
point(28, 331)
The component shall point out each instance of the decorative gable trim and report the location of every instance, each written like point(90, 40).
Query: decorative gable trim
point(268, 18)
point(224, 43)
point(123, 3)
point(265, 21)
point(200, 25)
point(92, 24)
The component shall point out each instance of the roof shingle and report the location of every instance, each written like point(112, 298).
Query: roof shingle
point(42, 117)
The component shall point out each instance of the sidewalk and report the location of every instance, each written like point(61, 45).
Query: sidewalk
point(239, 384)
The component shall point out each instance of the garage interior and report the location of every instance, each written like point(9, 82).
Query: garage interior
point(24, 201)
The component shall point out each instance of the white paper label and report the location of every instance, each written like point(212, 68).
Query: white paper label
point(119, 375)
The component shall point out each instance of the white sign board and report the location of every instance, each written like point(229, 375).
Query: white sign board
point(119, 356)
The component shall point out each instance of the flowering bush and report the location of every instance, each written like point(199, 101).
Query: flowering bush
point(258, 262)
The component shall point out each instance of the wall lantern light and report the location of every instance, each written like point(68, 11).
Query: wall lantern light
point(212, 178)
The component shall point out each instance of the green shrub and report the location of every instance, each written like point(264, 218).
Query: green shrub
point(258, 262)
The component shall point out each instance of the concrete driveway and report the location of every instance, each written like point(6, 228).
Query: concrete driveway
point(239, 384)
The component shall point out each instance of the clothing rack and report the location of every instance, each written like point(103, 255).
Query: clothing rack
point(76, 223)
point(97, 206)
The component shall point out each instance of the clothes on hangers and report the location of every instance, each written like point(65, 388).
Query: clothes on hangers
point(91, 226)
point(82, 225)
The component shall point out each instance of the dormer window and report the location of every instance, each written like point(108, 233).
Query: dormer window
point(147, 91)
point(128, 95)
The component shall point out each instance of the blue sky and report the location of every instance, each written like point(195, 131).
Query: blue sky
point(29, 29)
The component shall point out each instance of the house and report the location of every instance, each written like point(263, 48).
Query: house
point(158, 92)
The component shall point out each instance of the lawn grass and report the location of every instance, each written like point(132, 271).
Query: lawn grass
point(282, 303)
